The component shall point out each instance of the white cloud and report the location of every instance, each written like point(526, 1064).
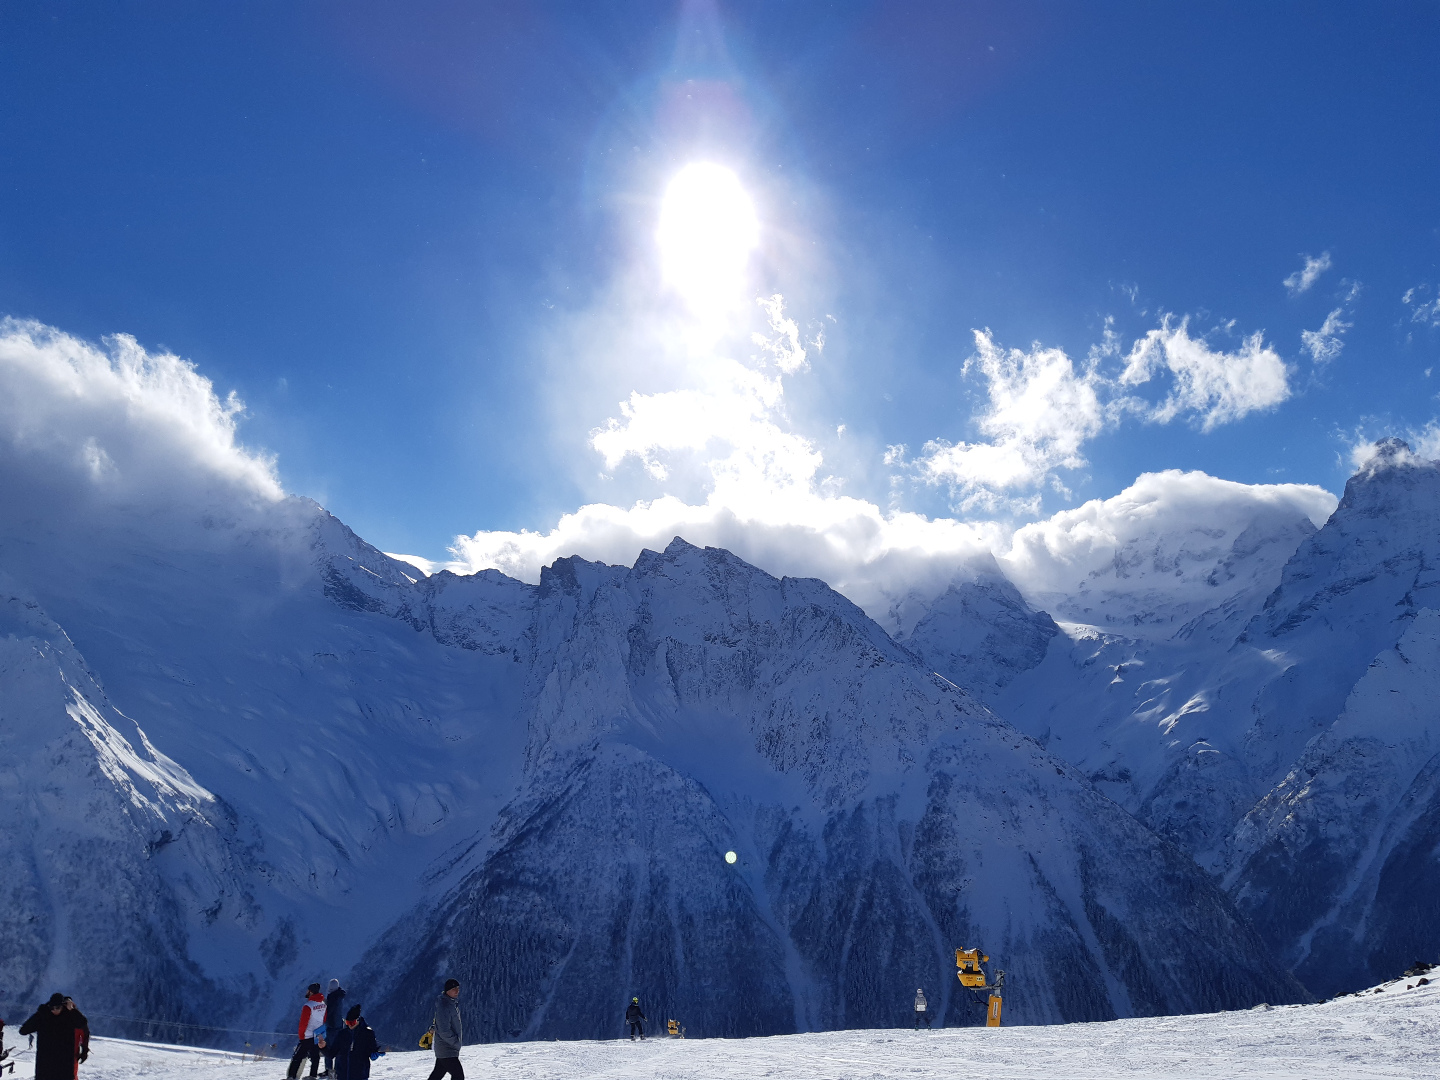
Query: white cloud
point(1216, 386)
point(765, 498)
point(1325, 344)
point(1167, 541)
point(732, 422)
point(1042, 410)
point(116, 423)
point(1301, 280)
point(1422, 310)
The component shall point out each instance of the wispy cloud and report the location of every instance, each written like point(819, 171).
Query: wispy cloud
point(1325, 344)
point(1214, 386)
point(1422, 310)
point(1301, 280)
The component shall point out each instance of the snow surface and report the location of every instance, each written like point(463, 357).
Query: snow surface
point(1394, 1034)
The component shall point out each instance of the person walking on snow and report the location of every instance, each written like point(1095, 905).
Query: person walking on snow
point(635, 1018)
point(922, 1008)
point(312, 1019)
point(57, 1053)
point(354, 1046)
point(448, 1034)
point(334, 1009)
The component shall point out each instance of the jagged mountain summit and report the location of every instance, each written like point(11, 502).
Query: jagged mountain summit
point(534, 786)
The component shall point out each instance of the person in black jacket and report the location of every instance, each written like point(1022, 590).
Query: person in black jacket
point(334, 1009)
point(636, 1019)
point(56, 1045)
point(353, 1047)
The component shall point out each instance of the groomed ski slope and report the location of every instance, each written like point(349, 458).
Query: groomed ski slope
point(1391, 1034)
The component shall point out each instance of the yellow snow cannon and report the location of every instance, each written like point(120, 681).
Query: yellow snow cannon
point(674, 1030)
point(972, 977)
point(971, 974)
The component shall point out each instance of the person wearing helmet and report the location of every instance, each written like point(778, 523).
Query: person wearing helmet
point(636, 1019)
point(922, 1009)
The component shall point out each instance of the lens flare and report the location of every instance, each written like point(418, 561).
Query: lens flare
point(707, 232)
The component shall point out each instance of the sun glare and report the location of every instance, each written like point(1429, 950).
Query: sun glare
point(707, 231)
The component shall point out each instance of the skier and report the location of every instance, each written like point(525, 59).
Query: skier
point(355, 1046)
point(922, 1008)
point(312, 1023)
point(56, 1042)
point(334, 1009)
point(448, 1034)
point(635, 1018)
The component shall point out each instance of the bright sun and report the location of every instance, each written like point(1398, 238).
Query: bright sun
point(707, 231)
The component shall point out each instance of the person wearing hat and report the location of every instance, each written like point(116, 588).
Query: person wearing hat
point(448, 1034)
point(58, 1052)
point(922, 1009)
point(635, 1018)
point(355, 1046)
point(334, 1009)
point(312, 1021)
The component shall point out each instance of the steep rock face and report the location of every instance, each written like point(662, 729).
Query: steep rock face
point(1349, 593)
point(1337, 865)
point(883, 818)
point(981, 635)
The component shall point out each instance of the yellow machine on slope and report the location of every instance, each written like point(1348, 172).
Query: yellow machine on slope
point(972, 977)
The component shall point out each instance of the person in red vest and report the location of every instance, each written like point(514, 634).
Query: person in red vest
point(312, 1019)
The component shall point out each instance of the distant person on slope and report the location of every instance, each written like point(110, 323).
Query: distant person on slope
point(55, 1029)
point(922, 1009)
point(312, 1019)
point(635, 1018)
point(354, 1046)
point(448, 1034)
point(334, 1009)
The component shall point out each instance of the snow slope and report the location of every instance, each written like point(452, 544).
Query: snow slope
point(1393, 1035)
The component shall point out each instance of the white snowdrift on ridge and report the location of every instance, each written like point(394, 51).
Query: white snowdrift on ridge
point(1356, 1038)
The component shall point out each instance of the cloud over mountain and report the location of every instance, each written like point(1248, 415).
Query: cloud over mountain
point(118, 423)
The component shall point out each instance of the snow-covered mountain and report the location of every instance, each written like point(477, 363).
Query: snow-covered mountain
point(693, 705)
point(1281, 732)
point(276, 749)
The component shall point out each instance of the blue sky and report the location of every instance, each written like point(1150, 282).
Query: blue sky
point(420, 246)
